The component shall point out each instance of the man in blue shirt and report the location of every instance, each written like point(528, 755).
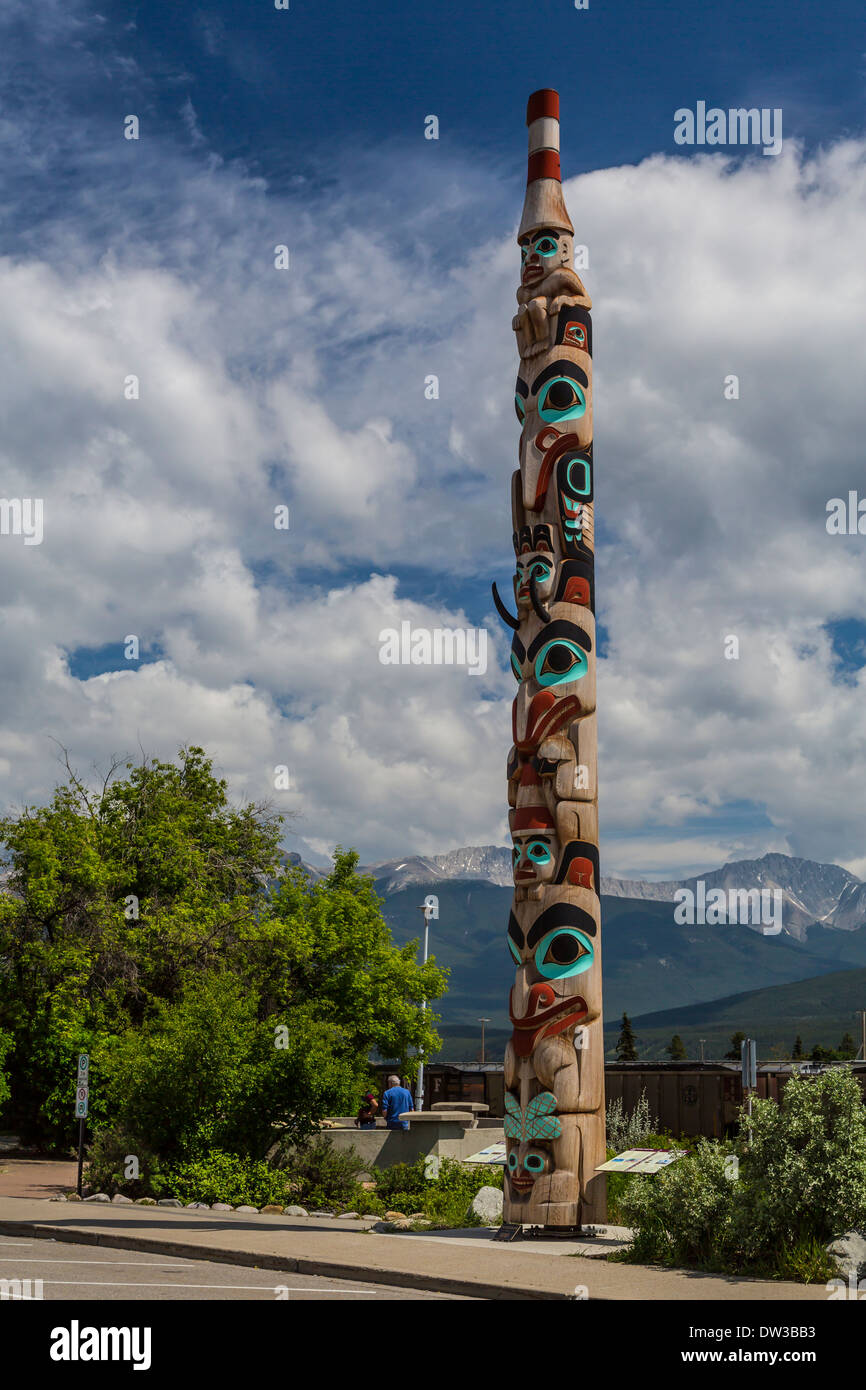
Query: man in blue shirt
point(395, 1102)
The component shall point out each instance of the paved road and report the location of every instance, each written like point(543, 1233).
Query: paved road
point(90, 1273)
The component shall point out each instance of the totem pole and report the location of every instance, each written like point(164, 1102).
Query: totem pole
point(554, 1063)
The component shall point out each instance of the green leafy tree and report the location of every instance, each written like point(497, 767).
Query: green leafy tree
point(798, 1052)
point(626, 1050)
point(677, 1049)
point(327, 946)
point(5, 1046)
point(736, 1039)
point(122, 901)
point(847, 1049)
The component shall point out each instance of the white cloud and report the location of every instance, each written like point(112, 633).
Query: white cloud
point(260, 387)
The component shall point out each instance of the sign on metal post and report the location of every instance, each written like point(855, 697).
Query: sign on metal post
point(82, 1086)
point(749, 1059)
point(82, 1093)
point(431, 907)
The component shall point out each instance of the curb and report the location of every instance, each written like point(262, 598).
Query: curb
point(333, 1269)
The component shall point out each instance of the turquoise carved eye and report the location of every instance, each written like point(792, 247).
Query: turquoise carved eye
point(546, 246)
point(520, 408)
point(539, 852)
point(514, 951)
point(561, 399)
point(558, 661)
point(563, 953)
point(542, 570)
point(512, 1161)
point(534, 1163)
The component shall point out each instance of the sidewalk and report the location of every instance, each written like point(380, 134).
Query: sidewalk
point(339, 1249)
point(36, 1177)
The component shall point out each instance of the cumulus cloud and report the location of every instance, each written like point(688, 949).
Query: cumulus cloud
point(260, 387)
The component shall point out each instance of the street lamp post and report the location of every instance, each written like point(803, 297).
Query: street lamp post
point(482, 1021)
point(430, 908)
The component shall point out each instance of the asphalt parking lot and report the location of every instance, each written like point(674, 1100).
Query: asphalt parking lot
point(94, 1273)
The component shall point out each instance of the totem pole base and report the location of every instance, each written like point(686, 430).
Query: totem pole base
point(552, 1232)
point(509, 1231)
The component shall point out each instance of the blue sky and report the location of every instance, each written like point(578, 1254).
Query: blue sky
point(274, 87)
point(261, 127)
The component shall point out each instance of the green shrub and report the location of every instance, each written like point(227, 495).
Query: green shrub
point(224, 1177)
point(682, 1215)
point(803, 1169)
point(798, 1180)
point(406, 1179)
point(108, 1165)
point(444, 1198)
point(618, 1183)
point(629, 1130)
point(322, 1176)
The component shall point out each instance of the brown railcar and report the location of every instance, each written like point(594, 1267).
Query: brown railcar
point(688, 1098)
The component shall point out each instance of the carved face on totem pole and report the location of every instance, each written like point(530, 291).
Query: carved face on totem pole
point(555, 670)
point(535, 563)
point(555, 1006)
point(554, 406)
point(541, 253)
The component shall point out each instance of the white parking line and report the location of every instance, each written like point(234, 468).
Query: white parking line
point(149, 1264)
point(254, 1288)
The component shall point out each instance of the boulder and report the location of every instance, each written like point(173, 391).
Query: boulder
point(321, 1213)
point(249, 1209)
point(145, 1201)
point(395, 1216)
point(222, 1206)
point(296, 1211)
point(57, 1199)
point(198, 1206)
point(273, 1207)
point(121, 1200)
point(350, 1216)
point(72, 1197)
point(169, 1202)
point(98, 1197)
point(849, 1252)
point(487, 1206)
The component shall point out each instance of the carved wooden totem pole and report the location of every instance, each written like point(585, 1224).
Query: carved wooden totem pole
point(554, 1063)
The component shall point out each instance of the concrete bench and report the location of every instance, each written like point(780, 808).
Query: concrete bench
point(440, 1117)
point(477, 1107)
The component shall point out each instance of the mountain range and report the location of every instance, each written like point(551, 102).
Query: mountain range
point(667, 976)
point(811, 892)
